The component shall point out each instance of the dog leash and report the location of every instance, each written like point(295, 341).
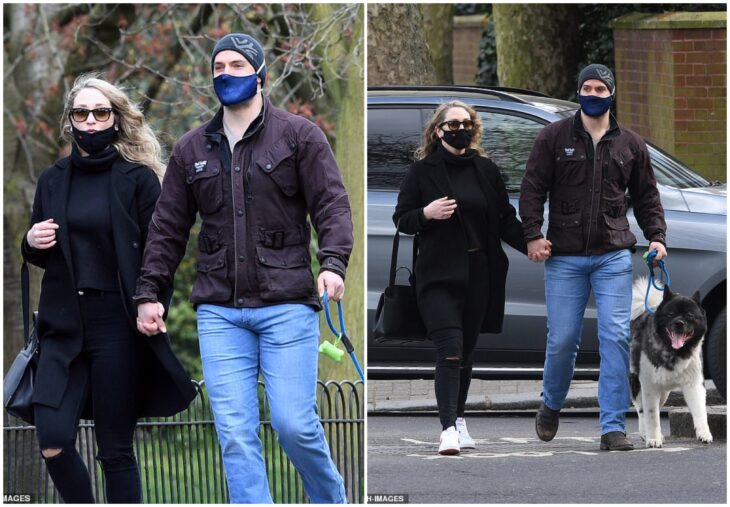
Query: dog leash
point(649, 258)
point(330, 349)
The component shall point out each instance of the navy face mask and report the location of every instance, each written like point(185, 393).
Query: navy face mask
point(232, 90)
point(96, 142)
point(595, 106)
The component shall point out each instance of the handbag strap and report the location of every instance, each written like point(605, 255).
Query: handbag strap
point(25, 287)
point(394, 255)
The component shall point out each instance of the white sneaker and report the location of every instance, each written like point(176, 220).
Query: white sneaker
point(465, 440)
point(449, 441)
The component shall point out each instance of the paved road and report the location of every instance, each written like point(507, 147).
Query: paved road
point(510, 465)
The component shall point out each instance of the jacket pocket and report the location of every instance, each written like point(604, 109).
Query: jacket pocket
point(571, 170)
point(279, 164)
point(617, 232)
point(206, 184)
point(212, 282)
point(284, 273)
point(565, 232)
point(621, 166)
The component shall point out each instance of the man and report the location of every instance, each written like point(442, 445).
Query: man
point(584, 164)
point(254, 173)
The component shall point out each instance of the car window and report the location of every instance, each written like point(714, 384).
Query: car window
point(669, 171)
point(393, 136)
point(508, 140)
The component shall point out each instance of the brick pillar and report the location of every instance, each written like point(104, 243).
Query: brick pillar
point(671, 76)
point(467, 36)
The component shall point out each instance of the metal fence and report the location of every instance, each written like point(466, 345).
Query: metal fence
point(180, 459)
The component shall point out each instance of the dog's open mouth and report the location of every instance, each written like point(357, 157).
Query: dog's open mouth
point(678, 339)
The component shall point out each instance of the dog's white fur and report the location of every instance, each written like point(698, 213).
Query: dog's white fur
point(657, 382)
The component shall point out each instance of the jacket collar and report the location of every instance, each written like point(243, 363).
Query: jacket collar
point(214, 130)
point(613, 128)
point(120, 165)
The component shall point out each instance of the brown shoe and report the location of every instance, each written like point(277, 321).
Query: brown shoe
point(616, 441)
point(546, 422)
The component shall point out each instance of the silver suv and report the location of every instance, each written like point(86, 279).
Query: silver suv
point(695, 212)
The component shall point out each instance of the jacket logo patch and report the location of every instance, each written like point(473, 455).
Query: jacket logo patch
point(200, 166)
point(569, 152)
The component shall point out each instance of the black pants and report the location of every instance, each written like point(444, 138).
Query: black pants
point(453, 326)
point(107, 370)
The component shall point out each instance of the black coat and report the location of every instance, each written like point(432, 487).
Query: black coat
point(134, 192)
point(442, 256)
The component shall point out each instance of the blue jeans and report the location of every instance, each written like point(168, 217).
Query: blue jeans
point(568, 282)
point(281, 342)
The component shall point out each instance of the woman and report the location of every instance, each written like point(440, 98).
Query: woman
point(455, 199)
point(89, 223)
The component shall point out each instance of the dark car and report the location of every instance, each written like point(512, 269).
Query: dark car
point(695, 212)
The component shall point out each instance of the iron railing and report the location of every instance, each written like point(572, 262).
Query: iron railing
point(180, 459)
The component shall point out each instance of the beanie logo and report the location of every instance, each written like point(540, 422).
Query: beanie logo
point(245, 46)
point(606, 77)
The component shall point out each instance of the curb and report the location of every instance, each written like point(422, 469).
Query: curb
point(526, 401)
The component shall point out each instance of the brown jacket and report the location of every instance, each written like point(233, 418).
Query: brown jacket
point(587, 191)
point(254, 237)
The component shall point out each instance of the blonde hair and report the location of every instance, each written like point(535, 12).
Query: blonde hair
point(136, 142)
point(431, 140)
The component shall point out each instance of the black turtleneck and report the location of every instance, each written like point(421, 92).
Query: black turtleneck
point(89, 221)
point(472, 204)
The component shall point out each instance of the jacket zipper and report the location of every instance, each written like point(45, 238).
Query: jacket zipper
point(235, 239)
point(593, 193)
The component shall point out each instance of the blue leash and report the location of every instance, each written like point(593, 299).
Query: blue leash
point(649, 257)
point(341, 336)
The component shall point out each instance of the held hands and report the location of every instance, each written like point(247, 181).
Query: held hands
point(332, 283)
point(440, 209)
point(539, 250)
point(661, 252)
point(149, 319)
point(42, 235)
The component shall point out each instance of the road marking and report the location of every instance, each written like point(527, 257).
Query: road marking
point(517, 441)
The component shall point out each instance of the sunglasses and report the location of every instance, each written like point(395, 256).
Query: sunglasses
point(455, 124)
point(100, 113)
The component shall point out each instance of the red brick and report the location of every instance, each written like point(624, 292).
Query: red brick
point(717, 69)
point(700, 102)
point(702, 57)
point(717, 92)
point(719, 34)
point(718, 80)
point(683, 69)
point(698, 80)
point(680, 103)
point(684, 114)
point(699, 69)
point(681, 125)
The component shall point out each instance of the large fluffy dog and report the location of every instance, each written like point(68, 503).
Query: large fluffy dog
point(666, 354)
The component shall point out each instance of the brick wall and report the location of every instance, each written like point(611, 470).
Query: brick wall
point(671, 74)
point(467, 35)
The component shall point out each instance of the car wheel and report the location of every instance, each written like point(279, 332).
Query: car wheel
point(717, 352)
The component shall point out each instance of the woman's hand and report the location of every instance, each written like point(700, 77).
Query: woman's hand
point(42, 235)
point(149, 319)
point(440, 209)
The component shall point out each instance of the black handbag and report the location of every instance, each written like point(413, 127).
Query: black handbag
point(19, 380)
point(397, 317)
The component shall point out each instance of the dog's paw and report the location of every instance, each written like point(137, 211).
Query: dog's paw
point(704, 436)
point(655, 442)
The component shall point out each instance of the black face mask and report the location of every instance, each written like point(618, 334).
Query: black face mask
point(96, 142)
point(458, 139)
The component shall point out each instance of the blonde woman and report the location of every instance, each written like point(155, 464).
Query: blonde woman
point(88, 226)
point(454, 198)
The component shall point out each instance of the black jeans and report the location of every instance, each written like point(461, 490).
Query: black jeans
point(456, 337)
point(107, 370)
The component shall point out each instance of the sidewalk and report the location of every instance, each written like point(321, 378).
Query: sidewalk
point(417, 395)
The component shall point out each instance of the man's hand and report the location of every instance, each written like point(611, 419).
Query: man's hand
point(332, 283)
point(440, 209)
point(42, 235)
point(539, 250)
point(661, 252)
point(149, 319)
